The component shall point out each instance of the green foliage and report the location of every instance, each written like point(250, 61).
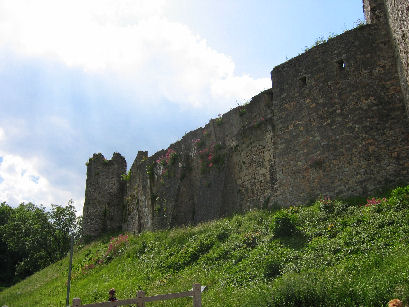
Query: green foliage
point(359, 23)
point(320, 40)
point(399, 198)
point(332, 253)
point(219, 120)
point(211, 157)
point(150, 171)
point(7, 259)
point(32, 238)
point(242, 110)
point(127, 176)
point(284, 224)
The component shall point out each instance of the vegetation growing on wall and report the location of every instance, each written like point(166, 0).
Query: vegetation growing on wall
point(211, 157)
point(320, 40)
point(127, 176)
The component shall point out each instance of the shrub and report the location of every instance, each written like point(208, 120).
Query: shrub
point(271, 268)
point(325, 205)
point(400, 197)
point(126, 176)
point(284, 224)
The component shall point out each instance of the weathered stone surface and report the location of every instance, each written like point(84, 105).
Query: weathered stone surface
point(104, 195)
point(333, 123)
point(337, 127)
point(398, 18)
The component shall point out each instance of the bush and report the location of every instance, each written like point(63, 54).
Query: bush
point(400, 197)
point(284, 224)
point(271, 268)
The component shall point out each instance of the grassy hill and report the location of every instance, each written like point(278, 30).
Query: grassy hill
point(331, 253)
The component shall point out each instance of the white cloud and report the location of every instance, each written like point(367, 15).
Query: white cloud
point(2, 135)
point(23, 182)
point(132, 41)
point(28, 174)
point(239, 87)
point(131, 50)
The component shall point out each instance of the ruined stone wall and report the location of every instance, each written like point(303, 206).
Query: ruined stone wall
point(104, 195)
point(333, 124)
point(398, 18)
point(215, 171)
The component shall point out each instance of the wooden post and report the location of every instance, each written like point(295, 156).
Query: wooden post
point(197, 295)
point(141, 298)
point(76, 302)
point(67, 301)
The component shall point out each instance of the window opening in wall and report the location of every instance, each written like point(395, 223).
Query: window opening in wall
point(341, 64)
point(303, 80)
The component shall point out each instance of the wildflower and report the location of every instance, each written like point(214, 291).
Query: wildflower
point(373, 201)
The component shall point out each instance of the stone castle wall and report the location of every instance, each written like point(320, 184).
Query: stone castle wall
point(104, 195)
point(398, 18)
point(340, 118)
point(333, 123)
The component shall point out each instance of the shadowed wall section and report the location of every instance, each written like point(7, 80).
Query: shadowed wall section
point(398, 18)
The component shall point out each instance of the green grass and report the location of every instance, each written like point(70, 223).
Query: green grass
point(331, 253)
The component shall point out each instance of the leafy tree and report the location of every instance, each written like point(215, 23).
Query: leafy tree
point(32, 238)
point(27, 235)
point(63, 221)
point(6, 258)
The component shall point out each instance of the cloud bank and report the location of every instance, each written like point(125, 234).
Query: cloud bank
point(79, 77)
point(133, 42)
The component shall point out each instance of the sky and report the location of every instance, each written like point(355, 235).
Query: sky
point(79, 77)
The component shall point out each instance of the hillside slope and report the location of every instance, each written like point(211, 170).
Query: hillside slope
point(332, 253)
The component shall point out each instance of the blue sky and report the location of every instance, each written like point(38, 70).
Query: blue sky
point(80, 77)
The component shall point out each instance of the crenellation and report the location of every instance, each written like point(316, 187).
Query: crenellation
point(334, 123)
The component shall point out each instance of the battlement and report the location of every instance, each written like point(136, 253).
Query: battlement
point(334, 123)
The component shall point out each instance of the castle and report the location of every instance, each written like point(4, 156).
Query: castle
point(334, 123)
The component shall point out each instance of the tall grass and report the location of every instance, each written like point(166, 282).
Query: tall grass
point(332, 253)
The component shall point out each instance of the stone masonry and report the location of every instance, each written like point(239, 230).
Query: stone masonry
point(398, 18)
point(334, 123)
point(104, 195)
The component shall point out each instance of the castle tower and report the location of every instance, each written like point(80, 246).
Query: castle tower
point(103, 195)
